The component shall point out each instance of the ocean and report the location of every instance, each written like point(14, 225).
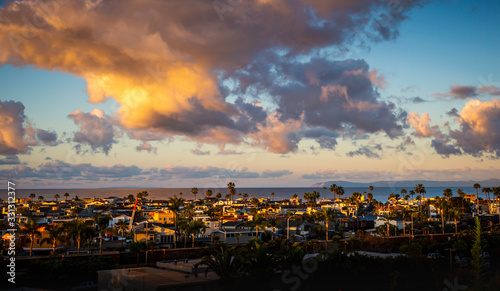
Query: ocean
point(380, 193)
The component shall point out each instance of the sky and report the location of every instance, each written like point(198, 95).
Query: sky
point(150, 93)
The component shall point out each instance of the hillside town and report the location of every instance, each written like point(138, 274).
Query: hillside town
point(322, 219)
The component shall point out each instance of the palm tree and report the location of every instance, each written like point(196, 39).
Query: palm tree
point(370, 197)
point(274, 223)
point(487, 191)
point(121, 227)
point(442, 205)
point(477, 186)
point(32, 196)
point(80, 230)
point(131, 198)
point(420, 189)
point(412, 192)
point(340, 191)
point(370, 188)
point(218, 196)
point(403, 192)
point(227, 262)
point(461, 194)
point(447, 193)
point(333, 189)
point(66, 195)
point(56, 233)
point(194, 191)
point(102, 222)
point(40, 199)
point(311, 197)
point(174, 205)
point(258, 222)
point(195, 227)
point(31, 228)
point(232, 190)
point(245, 197)
point(57, 198)
point(208, 193)
point(272, 196)
point(324, 191)
point(189, 212)
point(456, 214)
point(328, 215)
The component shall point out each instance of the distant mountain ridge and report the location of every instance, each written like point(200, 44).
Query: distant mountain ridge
point(411, 183)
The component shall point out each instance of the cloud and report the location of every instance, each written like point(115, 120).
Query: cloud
point(10, 160)
point(229, 152)
point(367, 151)
point(275, 174)
point(12, 118)
point(57, 170)
point(465, 92)
point(479, 128)
point(96, 129)
point(422, 125)
point(166, 66)
point(490, 90)
point(146, 146)
point(405, 143)
point(322, 174)
point(443, 148)
point(181, 172)
point(417, 100)
point(37, 136)
point(199, 152)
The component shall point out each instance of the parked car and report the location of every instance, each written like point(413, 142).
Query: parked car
point(434, 256)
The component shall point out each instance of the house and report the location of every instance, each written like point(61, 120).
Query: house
point(117, 218)
point(163, 216)
point(381, 221)
point(163, 235)
point(235, 232)
point(297, 228)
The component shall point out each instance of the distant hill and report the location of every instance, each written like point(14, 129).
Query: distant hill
point(411, 183)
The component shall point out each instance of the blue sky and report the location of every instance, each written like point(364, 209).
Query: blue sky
point(190, 130)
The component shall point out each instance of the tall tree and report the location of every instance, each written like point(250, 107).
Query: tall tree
point(102, 223)
point(327, 215)
point(32, 196)
point(333, 190)
point(121, 227)
point(194, 191)
point(31, 228)
point(477, 186)
point(461, 194)
point(311, 197)
point(195, 227)
point(56, 233)
point(487, 191)
point(447, 193)
point(412, 192)
point(208, 193)
point(370, 197)
point(57, 198)
point(442, 205)
point(66, 195)
point(257, 222)
point(231, 187)
point(80, 230)
point(340, 191)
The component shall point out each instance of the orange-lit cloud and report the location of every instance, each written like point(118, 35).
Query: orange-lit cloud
point(422, 125)
point(164, 62)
